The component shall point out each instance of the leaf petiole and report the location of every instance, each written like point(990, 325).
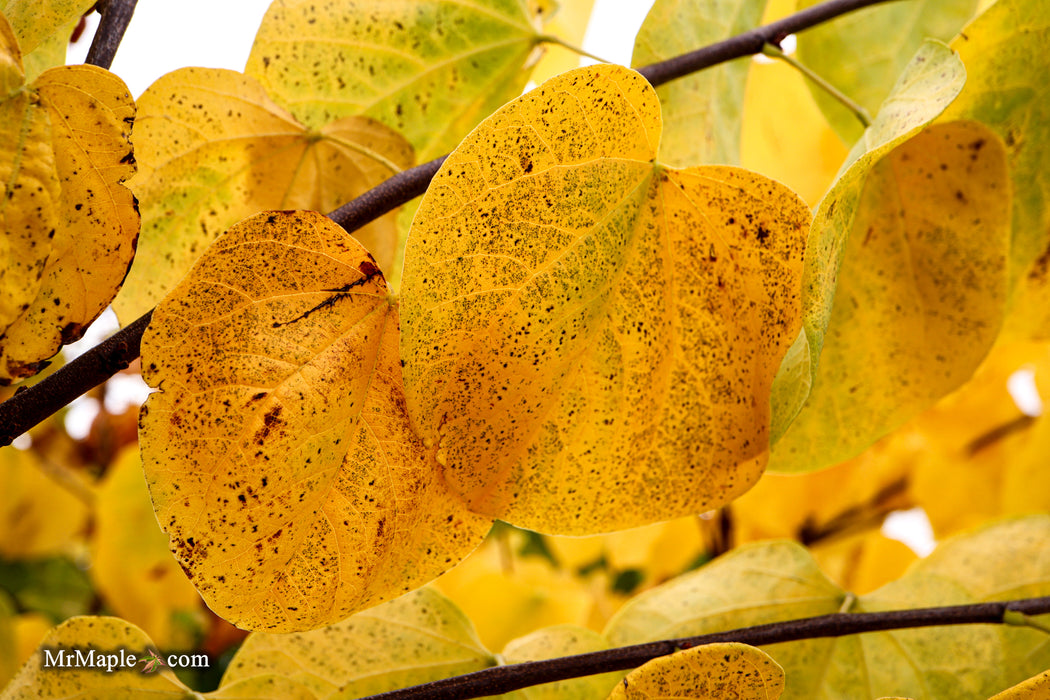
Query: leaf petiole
point(858, 111)
point(551, 39)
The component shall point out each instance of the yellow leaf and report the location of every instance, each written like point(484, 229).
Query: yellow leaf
point(278, 454)
point(853, 53)
point(709, 672)
point(926, 87)
point(49, 53)
point(131, 565)
point(1005, 57)
point(590, 336)
point(38, 517)
point(511, 599)
point(701, 112)
point(35, 21)
point(262, 688)
point(919, 295)
point(431, 69)
point(556, 642)
point(752, 585)
point(802, 152)
point(414, 639)
point(1034, 688)
point(91, 113)
point(103, 635)
point(864, 561)
point(213, 149)
point(29, 210)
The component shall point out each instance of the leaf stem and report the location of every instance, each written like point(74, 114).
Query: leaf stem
point(859, 112)
point(504, 679)
point(1019, 619)
point(33, 404)
point(552, 39)
point(116, 15)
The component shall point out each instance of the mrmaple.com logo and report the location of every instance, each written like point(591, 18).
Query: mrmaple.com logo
point(58, 658)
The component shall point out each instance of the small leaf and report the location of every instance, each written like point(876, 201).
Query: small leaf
point(589, 336)
point(35, 21)
point(701, 112)
point(431, 69)
point(854, 55)
point(213, 149)
point(414, 639)
point(278, 454)
point(91, 112)
point(104, 635)
point(709, 672)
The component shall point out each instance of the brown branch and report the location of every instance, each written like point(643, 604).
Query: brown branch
point(504, 679)
point(64, 385)
point(33, 404)
point(116, 15)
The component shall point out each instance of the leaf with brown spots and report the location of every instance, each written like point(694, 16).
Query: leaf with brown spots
point(590, 336)
point(1006, 60)
point(37, 20)
point(419, 637)
point(920, 294)
point(104, 635)
point(432, 69)
point(70, 226)
point(709, 672)
point(213, 148)
point(279, 456)
point(91, 112)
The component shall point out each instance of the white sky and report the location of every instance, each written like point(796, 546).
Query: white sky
point(165, 35)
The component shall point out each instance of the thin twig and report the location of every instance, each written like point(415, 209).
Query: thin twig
point(504, 679)
point(116, 15)
point(40, 401)
point(33, 404)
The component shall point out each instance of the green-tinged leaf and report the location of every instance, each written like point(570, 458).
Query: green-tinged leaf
point(920, 294)
point(1005, 54)
point(263, 688)
point(589, 336)
point(928, 85)
point(556, 642)
point(701, 112)
point(862, 53)
point(278, 454)
point(29, 209)
point(104, 636)
point(1002, 561)
point(91, 112)
point(213, 149)
point(131, 566)
point(54, 586)
point(414, 639)
point(35, 20)
point(431, 69)
point(752, 585)
point(710, 672)
point(38, 516)
point(50, 53)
